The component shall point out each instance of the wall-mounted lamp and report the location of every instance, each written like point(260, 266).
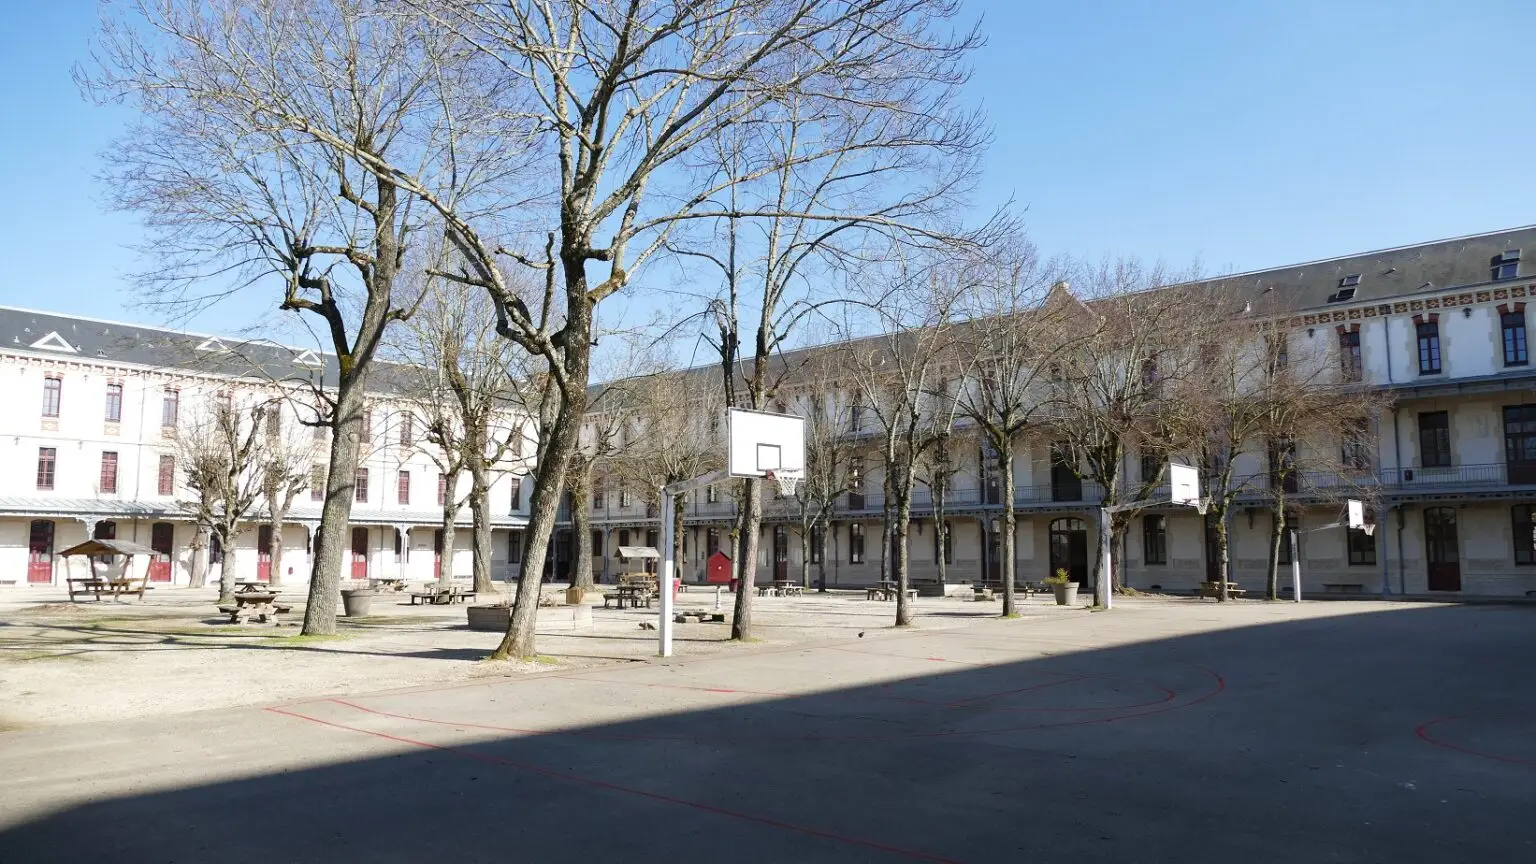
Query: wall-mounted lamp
point(1309, 332)
point(1466, 311)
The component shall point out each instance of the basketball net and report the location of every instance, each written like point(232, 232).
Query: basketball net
point(787, 480)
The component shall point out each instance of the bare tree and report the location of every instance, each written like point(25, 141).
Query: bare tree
point(221, 457)
point(261, 126)
point(897, 376)
point(287, 453)
point(827, 453)
point(1113, 382)
point(1012, 339)
point(616, 98)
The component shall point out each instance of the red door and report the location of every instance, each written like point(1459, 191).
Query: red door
point(437, 554)
point(40, 553)
point(161, 539)
point(359, 553)
point(264, 553)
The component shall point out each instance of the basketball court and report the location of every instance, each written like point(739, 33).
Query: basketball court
point(1162, 731)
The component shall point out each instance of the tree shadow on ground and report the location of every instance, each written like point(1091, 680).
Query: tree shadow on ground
point(1292, 741)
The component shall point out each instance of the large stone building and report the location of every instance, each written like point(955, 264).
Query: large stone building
point(99, 420)
point(1440, 327)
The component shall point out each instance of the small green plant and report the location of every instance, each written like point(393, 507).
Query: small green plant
point(1062, 577)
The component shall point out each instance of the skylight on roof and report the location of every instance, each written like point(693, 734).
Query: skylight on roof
point(1342, 295)
point(1350, 281)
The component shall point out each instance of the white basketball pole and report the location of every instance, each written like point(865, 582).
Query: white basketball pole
point(1295, 566)
point(664, 626)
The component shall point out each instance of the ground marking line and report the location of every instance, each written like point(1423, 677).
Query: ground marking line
point(615, 787)
point(1423, 732)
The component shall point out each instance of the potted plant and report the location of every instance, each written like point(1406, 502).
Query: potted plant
point(1063, 587)
point(491, 616)
point(357, 602)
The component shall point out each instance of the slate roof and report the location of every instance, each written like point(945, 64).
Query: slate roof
point(82, 507)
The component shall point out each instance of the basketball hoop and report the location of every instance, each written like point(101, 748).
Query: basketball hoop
point(1201, 505)
point(787, 479)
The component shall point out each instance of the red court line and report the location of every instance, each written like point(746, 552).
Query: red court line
point(960, 702)
point(1423, 732)
point(1157, 708)
point(629, 790)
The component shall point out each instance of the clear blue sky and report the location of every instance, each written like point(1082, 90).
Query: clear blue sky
point(1243, 134)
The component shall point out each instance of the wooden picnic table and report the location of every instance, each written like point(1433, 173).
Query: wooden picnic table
point(437, 596)
point(258, 605)
point(250, 587)
point(781, 588)
point(99, 585)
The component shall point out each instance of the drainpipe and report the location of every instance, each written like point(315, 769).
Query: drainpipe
point(1397, 457)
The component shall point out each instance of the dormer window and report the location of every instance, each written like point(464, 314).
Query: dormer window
point(1507, 265)
point(1350, 281)
point(1342, 295)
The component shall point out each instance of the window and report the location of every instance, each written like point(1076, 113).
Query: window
point(1362, 546)
point(407, 429)
point(1151, 378)
point(855, 415)
point(1435, 439)
point(711, 494)
point(360, 484)
point(1349, 281)
point(1513, 326)
point(442, 489)
point(109, 472)
point(114, 403)
point(166, 482)
point(623, 494)
point(1506, 266)
point(317, 483)
point(597, 544)
point(514, 547)
point(403, 488)
point(517, 442)
point(1279, 347)
point(365, 434)
point(53, 389)
point(623, 540)
point(1524, 519)
point(1429, 347)
point(1356, 451)
point(399, 543)
point(1349, 355)
point(1154, 539)
point(944, 539)
point(1152, 461)
point(856, 478)
point(517, 494)
point(170, 408)
point(711, 542)
point(856, 543)
point(818, 537)
point(46, 460)
point(597, 493)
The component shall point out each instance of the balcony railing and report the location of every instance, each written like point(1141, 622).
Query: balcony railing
point(1468, 476)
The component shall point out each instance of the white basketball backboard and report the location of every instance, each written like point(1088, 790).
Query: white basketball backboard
point(1356, 513)
point(761, 442)
point(1184, 483)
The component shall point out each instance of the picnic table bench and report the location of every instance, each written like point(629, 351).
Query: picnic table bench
point(1213, 589)
point(781, 588)
point(883, 592)
point(98, 586)
point(435, 596)
point(253, 604)
point(631, 594)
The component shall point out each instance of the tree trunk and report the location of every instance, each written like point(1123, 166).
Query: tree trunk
point(1276, 537)
point(450, 530)
point(548, 484)
point(275, 549)
point(579, 482)
point(821, 561)
point(227, 535)
point(1223, 556)
point(480, 512)
point(805, 557)
point(751, 520)
point(1005, 468)
point(941, 530)
point(902, 560)
point(199, 576)
point(677, 538)
point(335, 514)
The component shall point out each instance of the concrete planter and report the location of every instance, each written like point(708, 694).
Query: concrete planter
point(1066, 595)
point(357, 602)
point(489, 618)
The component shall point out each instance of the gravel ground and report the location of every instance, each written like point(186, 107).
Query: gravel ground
point(63, 662)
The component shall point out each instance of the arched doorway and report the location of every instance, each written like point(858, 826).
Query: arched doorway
point(1069, 548)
